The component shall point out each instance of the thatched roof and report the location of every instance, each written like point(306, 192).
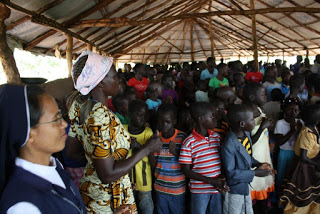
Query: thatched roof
point(161, 31)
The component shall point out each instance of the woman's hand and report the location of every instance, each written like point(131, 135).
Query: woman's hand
point(154, 143)
point(125, 209)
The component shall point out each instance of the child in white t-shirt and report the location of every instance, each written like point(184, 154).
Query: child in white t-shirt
point(286, 132)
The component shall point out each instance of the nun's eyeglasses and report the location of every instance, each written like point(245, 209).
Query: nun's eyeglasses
point(56, 121)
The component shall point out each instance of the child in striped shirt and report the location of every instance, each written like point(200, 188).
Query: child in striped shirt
point(170, 182)
point(200, 161)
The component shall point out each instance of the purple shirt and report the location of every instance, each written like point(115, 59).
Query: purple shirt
point(170, 93)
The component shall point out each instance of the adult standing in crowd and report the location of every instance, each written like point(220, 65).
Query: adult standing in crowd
point(316, 67)
point(105, 184)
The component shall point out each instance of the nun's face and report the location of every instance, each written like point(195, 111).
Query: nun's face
point(49, 134)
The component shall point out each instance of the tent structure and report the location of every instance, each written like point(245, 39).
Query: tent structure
point(165, 31)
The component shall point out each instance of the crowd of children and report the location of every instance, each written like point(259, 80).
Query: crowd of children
point(222, 152)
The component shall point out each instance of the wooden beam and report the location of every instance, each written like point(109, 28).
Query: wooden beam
point(124, 5)
point(179, 34)
point(250, 32)
point(26, 18)
point(130, 30)
point(191, 40)
point(199, 39)
point(119, 22)
point(170, 42)
point(53, 24)
point(184, 38)
point(254, 36)
point(208, 33)
point(88, 12)
point(211, 31)
point(64, 41)
point(43, 20)
point(132, 40)
point(198, 51)
point(155, 58)
point(6, 54)
point(154, 35)
point(69, 53)
point(102, 9)
point(293, 30)
point(236, 4)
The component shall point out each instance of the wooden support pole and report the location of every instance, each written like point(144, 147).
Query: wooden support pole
point(283, 56)
point(211, 31)
point(254, 36)
point(89, 47)
point(6, 54)
point(307, 53)
point(69, 53)
point(191, 40)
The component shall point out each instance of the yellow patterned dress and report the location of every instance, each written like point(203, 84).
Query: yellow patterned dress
point(102, 136)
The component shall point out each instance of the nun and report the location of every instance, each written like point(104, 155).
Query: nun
point(31, 130)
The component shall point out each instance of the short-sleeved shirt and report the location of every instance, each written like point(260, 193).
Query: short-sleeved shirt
point(283, 127)
point(153, 105)
point(215, 83)
point(204, 156)
point(254, 76)
point(170, 93)
point(123, 119)
point(205, 74)
point(139, 86)
point(103, 136)
point(141, 174)
point(307, 140)
point(269, 87)
point(201, 96)
point(284, 88)
point(169, 178)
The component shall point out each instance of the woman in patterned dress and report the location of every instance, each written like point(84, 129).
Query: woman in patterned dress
point(105, 185)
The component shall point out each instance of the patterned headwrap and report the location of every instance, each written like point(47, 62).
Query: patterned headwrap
point(95, 69)
point(14, 127)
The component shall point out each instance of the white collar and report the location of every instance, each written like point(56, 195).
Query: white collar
point(48, 173)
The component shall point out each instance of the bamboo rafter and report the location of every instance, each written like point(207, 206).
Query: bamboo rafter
point(135, 40)
point(249, 26)
point(131, 29)
point(221, 49)
point(45, 21)
point(41, 10)
point(191, 10)
point(119, 22)
point(294, 31)
point(66, 23)
point(124, 5)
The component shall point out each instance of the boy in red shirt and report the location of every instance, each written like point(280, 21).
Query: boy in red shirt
point(139, 82)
